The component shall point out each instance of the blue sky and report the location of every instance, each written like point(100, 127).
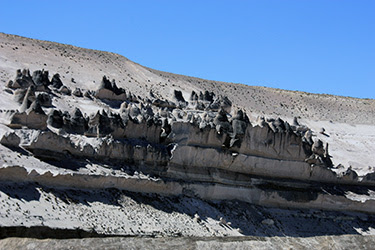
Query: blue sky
point(315, 46)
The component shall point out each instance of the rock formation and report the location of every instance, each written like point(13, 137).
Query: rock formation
point(150, 139)
point(109, 90)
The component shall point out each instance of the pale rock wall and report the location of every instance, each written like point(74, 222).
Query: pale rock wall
point(204, 191)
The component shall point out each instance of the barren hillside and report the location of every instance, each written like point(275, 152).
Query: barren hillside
point(95, 145)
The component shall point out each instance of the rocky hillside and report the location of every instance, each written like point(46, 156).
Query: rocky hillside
point(95, 143)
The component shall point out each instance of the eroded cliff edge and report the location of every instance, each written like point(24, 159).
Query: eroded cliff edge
point(197, 145)
point(161, 154)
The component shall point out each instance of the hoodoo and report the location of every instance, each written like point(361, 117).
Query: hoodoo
point(128, 150)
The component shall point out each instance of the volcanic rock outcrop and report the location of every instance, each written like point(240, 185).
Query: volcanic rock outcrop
point(199, 158)
point(177, 141)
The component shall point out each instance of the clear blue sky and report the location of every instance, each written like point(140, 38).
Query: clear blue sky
point(319, 46)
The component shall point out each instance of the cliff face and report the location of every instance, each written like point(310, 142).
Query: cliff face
point(169, 139)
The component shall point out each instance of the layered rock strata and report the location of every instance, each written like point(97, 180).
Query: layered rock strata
point(203, 147)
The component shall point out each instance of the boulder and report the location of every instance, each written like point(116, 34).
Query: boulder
point(40, 78)
point(239, 123)
point(77, 92)
point(318, 148)
point(221, 122)
point(23, 80)
point(109, 90)
point(77, 124)
point(207, 96)
point(10, 139)
point(178, 96)
point(56, 81)
point(44, 99)
point(34, 118)
point(194, 96)
point(55, 119)
point(98, 125)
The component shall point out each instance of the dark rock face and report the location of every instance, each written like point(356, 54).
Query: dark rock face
point(194, 96)
point(319, 155)
point(239, 125)
point(56, 81)
point(221, 122)
point(45, 100)
point(317, 148)
point(207, 96)
point(295, 121)
point(109, 90)
point(74, 124)
point(36, 107)
point(105, 84)
point(32, 117)
point(178, 95)
point(41, 80)
point(10, 139)
point(98, 125)
point(279, 125)
point(77, 124)
point(23, 79)
point(89, 94)
point(240, 122)
point(55, 119)
point(164, 104)
point(208, 101)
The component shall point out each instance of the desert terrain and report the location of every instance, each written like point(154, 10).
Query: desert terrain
point(172, 160)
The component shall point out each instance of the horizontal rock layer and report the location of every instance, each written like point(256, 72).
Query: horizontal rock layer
point(265, 193)
point(201, 148)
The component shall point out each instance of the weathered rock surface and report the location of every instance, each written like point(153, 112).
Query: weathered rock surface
point(318, 242)
point(156, 141)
